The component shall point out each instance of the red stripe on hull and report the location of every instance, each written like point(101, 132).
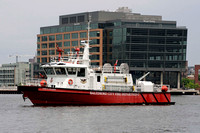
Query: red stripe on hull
point(50, 96)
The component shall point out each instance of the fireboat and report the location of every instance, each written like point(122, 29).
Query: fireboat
point(73, 81)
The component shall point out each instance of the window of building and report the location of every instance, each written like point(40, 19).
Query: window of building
point(51, 38)
point(83, 35)
point(44, 38)
point(157, 32)
point(74, 43)
point(38, 53)
point(157, 40)
point(47, 30)
point(94, 41)
point(38, 46)
point(38, 39)
point(44, 60)
point(67, 44)
point(156, 48)
point(169, 25)
point(58, 37)
point(174, 33)
point(38, 60)
point(51, 52)
point(81, 72)
point(139, 39)
point(77, 27)
point(41, 31)
point(174, 40)
point(51, 45)
point(61, 29)
point(54, 29)
point(94, 26)
point(44, 45)
point(68, 29)
point(95, 63)
point(138, 56)
point(66, 51)
point(94, 49)
point(84, 27)
point(137, 64)
point(74, 35)
point(64, 20)
point(59, 44)
point(94, 34)
point(117, 23)
point(72, 19)
point(66, 36)
point(81, 18)
point(44, 52)
point(94, 57)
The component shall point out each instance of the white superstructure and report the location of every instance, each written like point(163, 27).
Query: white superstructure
point(76, 73)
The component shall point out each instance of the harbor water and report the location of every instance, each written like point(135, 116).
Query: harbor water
point(17, 116)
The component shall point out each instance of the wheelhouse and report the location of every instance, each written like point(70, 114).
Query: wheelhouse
point(66, 71)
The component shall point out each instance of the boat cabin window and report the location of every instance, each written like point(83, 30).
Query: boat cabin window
point(71, 71)
point(60, 71)
point(81, 72)
point(98, 79)
point(49, 71)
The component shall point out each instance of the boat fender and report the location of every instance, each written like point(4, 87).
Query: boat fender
point(105, 79)
point(133, 88)
point(164, 88)
point(103, 87)
point(43, 83)
point(70, 81)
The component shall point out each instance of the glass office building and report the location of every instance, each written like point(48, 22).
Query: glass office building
point(145, 42)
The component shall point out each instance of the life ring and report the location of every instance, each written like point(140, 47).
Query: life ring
point(70, 81)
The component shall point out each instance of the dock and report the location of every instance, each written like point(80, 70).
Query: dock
point(12, 90)
point(184, 92)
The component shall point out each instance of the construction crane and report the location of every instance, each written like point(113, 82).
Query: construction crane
point(17, 56)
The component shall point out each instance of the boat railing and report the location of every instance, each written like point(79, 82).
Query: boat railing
point(120, 88)
point(32, 82)
point(111, 69)
point(70, 59)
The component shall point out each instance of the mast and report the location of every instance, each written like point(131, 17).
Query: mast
point(86, 44)
point(89, 21)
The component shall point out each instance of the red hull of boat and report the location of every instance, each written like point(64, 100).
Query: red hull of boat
point(56, 96)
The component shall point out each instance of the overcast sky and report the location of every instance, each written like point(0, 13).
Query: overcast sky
point(20, 20)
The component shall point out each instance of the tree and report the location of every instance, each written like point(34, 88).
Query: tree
point(188, 83)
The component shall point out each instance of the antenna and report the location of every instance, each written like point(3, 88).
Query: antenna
point(89, 20)
point(86, 45)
